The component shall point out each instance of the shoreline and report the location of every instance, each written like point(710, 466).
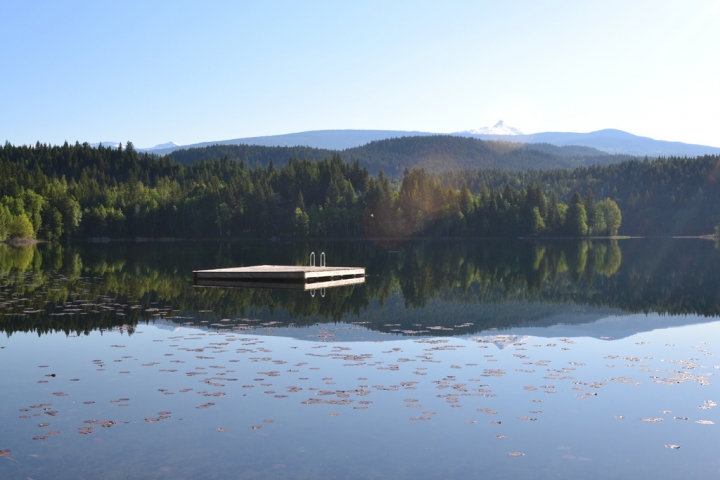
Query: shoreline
point(24, 242)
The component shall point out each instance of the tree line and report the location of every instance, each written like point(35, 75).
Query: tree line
point(664, 196)
point(71, 191)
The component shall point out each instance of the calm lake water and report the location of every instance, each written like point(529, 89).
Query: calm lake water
point(453, 360)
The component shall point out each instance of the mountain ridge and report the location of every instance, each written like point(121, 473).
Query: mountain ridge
point(610, 141)
point(434, 153)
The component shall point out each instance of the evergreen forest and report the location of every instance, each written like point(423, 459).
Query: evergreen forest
point(78, 191)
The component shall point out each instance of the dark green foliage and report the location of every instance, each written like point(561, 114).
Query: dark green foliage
point(78, 191)
point(666, 196)
point(440, 153)
point(250, 154)
point(576, 220)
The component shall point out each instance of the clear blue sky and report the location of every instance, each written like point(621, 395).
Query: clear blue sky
point(154, 71)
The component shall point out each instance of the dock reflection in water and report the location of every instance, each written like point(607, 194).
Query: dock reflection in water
point(280, 285)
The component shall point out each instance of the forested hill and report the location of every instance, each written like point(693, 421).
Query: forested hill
point(251, 155)
point(434, 153)
point(665, 196)
point(52, 192)
point(444, 153)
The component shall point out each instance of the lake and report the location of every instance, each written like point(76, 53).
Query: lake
point(455, 359)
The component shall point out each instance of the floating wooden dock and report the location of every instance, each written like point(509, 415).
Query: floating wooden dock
point(279, 273)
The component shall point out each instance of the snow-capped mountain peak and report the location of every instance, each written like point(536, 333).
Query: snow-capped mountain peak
point(164, 145)
point(498, 129)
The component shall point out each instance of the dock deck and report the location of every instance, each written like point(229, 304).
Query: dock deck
point(279, 273)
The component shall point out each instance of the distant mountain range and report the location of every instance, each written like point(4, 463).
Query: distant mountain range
point(164, 146)
point(325, 139)
point(435, 153)
point(609, 141)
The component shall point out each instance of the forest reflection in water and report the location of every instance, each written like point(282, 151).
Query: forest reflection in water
point(84, 287)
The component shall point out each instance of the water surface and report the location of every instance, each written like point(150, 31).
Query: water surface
point(489, 360)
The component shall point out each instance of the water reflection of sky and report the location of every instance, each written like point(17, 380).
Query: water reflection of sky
point(542, 390)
